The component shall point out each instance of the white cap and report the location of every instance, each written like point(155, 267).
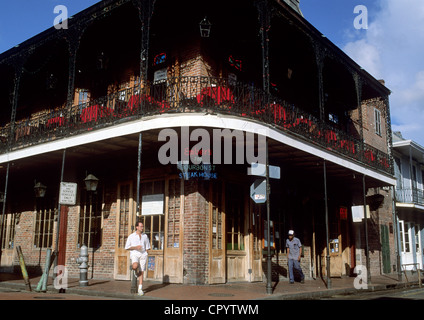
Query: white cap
point(291, 232)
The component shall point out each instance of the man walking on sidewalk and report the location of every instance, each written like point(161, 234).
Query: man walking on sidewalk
point(294, 252)
point(138, 243)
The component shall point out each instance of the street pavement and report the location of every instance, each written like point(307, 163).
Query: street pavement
point(282, 290)
point(402, 294)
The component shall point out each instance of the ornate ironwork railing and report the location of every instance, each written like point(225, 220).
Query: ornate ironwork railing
point(192, 94)
point(412, 196)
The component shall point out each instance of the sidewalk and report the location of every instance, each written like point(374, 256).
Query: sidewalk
point(311, 289)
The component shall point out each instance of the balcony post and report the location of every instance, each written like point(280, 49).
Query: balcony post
point(389, 134)
point(265, 24)
point(145, 12)
point(358, 89)
point(19, 68)
point(73, 37)
point(319, 57)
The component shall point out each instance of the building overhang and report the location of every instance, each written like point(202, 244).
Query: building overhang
point(196, 120)
point(409, 147)
point(409, 206)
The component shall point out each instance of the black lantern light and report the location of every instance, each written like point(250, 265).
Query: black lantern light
point(91, 183)
point(205, 28)
point(40, 190)
point(1, 197)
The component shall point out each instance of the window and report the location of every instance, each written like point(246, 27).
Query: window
point(89, 232)
point(404, 236)
point(377, 119)
point(417, 239)
point(333, 118)
point(83, 96)
point(234, 208)
point(174, 213)
point(217, 195)
point(153, 223)
point(44, 219)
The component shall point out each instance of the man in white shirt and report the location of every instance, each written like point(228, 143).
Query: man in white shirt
point(138, 243)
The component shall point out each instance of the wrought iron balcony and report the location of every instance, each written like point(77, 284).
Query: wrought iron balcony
point(410, 196)
point(191, 94)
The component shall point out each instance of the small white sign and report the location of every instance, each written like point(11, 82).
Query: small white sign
point(68, 193)
point(160, 75)
point(358, 213)
point(152, 204)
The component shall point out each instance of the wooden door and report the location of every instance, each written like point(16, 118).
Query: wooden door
point(124, 218)
point(385, 248)
point(8, 239)
point(235, 217)
point(174, 231)
point(217, 257)
point(255, 241)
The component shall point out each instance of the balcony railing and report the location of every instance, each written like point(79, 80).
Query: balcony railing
point(191, 94)
point(411, 196)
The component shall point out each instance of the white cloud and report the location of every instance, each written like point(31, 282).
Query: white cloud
point(393, 49)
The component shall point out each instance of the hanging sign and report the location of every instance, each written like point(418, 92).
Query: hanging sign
point(152, 204)
point(358, 213)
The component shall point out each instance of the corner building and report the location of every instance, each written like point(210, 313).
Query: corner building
point(95, 98)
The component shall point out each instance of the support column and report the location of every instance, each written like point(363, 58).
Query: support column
point(367, 251)
point(3, 213)
point(268, 227)
point(327, 231)
point(60, 218)
point(137, 208)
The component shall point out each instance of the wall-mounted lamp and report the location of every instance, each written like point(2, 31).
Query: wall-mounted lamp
point(91, 183)
point(40, 190)
point(205, 28)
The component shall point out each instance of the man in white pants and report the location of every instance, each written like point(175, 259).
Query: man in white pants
point(138, 243)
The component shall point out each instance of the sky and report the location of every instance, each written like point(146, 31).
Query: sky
point(391, 48)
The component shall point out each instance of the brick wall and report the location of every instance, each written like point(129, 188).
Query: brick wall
point(101, 260)
point(370, 136)
point(196, 234)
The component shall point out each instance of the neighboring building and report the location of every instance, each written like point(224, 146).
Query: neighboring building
point(409, 171)
point(95, 98)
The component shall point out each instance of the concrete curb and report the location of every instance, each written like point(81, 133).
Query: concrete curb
point(313, 295)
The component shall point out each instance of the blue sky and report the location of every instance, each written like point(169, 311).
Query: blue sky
point(392, 48)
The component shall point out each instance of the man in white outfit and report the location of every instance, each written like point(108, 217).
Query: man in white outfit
point(138, 243)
